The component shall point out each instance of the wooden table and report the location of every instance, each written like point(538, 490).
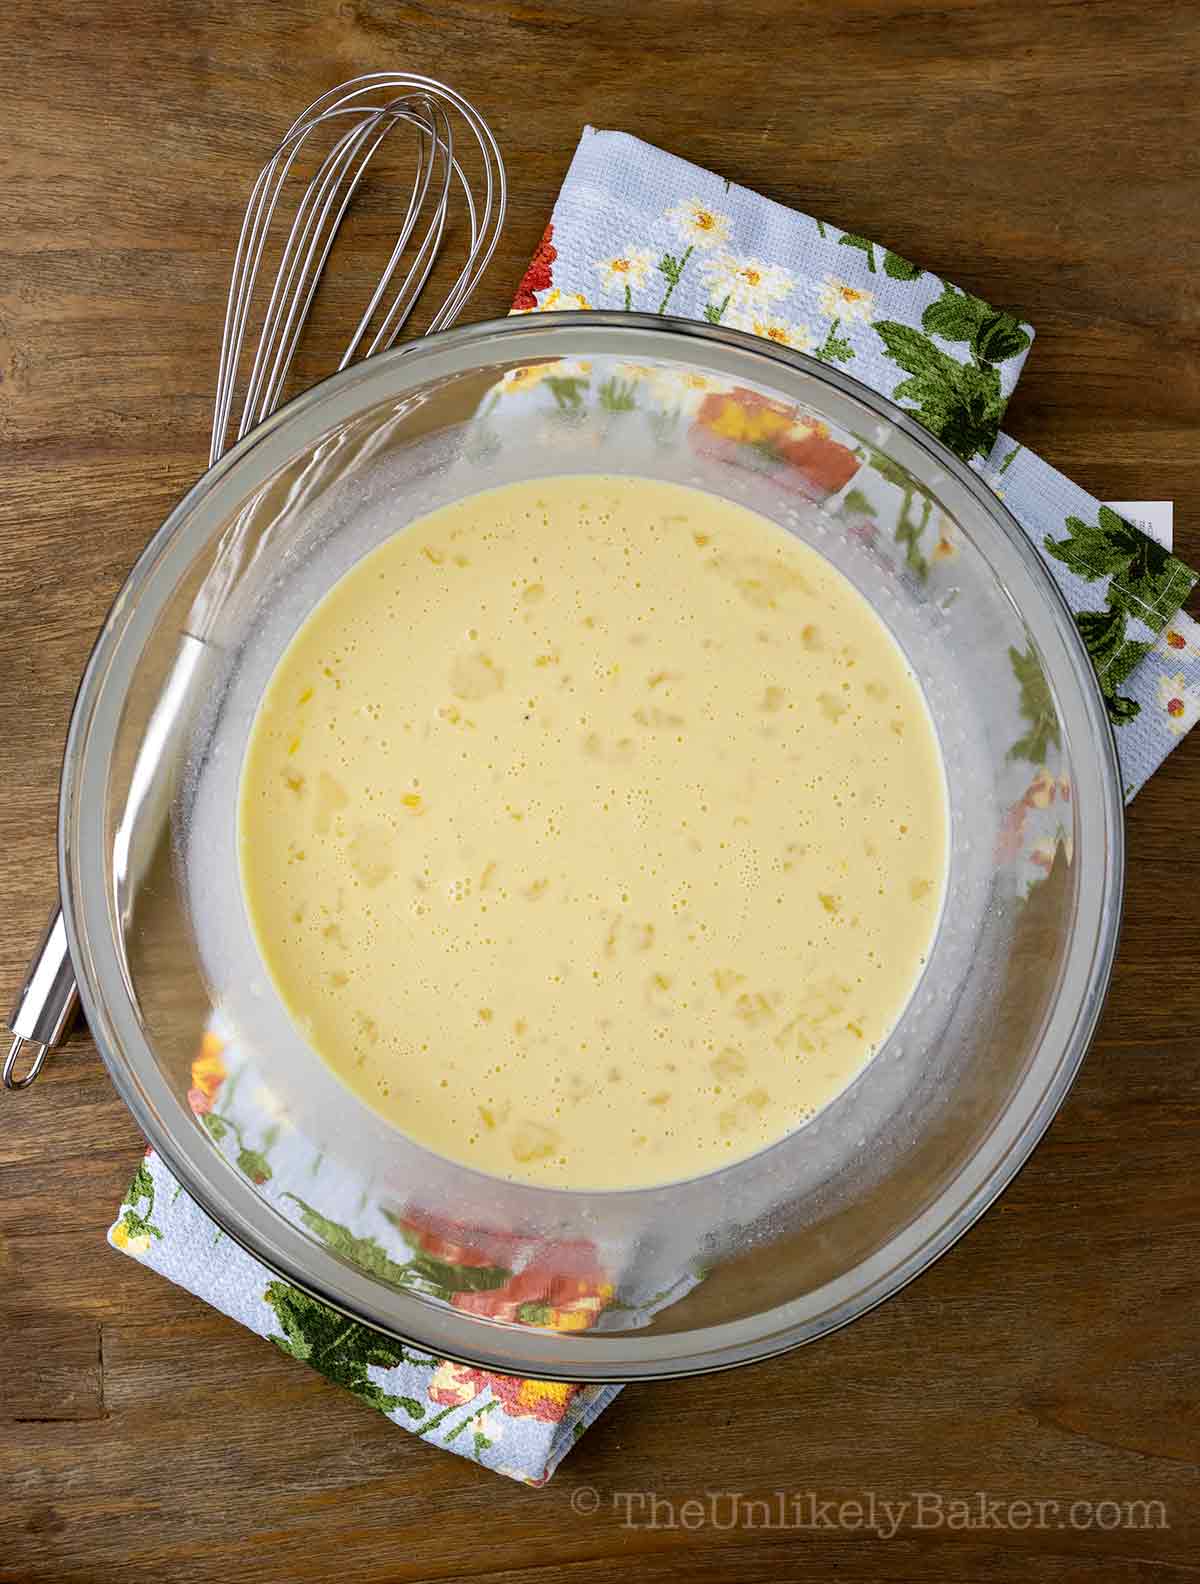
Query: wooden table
point(1039, 153)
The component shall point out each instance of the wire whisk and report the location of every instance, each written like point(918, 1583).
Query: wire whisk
point(363, 111)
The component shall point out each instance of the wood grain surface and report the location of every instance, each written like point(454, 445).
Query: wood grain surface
point(1040, 153)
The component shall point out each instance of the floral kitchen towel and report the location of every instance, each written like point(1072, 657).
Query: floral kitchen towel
point(512, 1425)
point(637, 228)
point(517, 1427)
point(634, 227)
point(1126, 590)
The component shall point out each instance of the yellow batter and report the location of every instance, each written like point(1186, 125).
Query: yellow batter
point(594, 831)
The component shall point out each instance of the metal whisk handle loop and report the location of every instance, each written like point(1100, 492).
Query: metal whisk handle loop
point(45, 1007)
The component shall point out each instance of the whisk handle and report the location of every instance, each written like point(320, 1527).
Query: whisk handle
point(45, 1007)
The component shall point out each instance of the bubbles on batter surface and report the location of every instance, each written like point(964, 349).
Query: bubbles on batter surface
point(590, 796)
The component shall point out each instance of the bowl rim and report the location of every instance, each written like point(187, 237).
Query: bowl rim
point(286, 1250)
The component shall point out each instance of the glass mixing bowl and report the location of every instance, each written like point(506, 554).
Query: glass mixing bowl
point(695, 1275)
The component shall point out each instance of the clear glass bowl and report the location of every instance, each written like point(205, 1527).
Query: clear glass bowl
point(695, 1275)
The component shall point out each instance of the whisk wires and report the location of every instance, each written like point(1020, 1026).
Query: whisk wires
point(363, 113)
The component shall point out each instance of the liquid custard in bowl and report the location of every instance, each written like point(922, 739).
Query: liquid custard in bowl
point(594, 831)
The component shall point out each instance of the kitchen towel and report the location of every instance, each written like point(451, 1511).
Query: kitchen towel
point(637, 228)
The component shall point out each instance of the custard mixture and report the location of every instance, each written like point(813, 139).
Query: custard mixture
point(593, 830)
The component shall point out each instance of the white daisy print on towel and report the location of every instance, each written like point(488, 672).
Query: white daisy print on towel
point(839, 300)
point(744, 284)
point(555, 301)
point(1180, 701)
point(523, 378)
point(784, 332)
point(684, 390)
point(627, 271)
point(528, 375)
point(1174, 643)
point(698, 225)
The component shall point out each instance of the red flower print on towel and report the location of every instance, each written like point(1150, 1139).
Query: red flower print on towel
point(742, 426)
point(563, 1288)
point(208, 1074)
point(455, 1385)
point(1015, 836)
point(458, 1244)
point(540, 274)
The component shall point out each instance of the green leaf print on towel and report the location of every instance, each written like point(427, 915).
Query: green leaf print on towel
point(993, 333)
point(1146, 582)
point(899, 268)
point(1037, 708)
point(423, 1273)
point(671, 269)
point(251, 1162)
point(1146, 577)
point(341, 1349)
point(364, 1252)
point(895, 266)
point(834, 348)
point(960, 403)
point(617, 395)
point(909, 529)
point(136, 1227)
point(852, 239)
point(1114, 657)
point(568, 392)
